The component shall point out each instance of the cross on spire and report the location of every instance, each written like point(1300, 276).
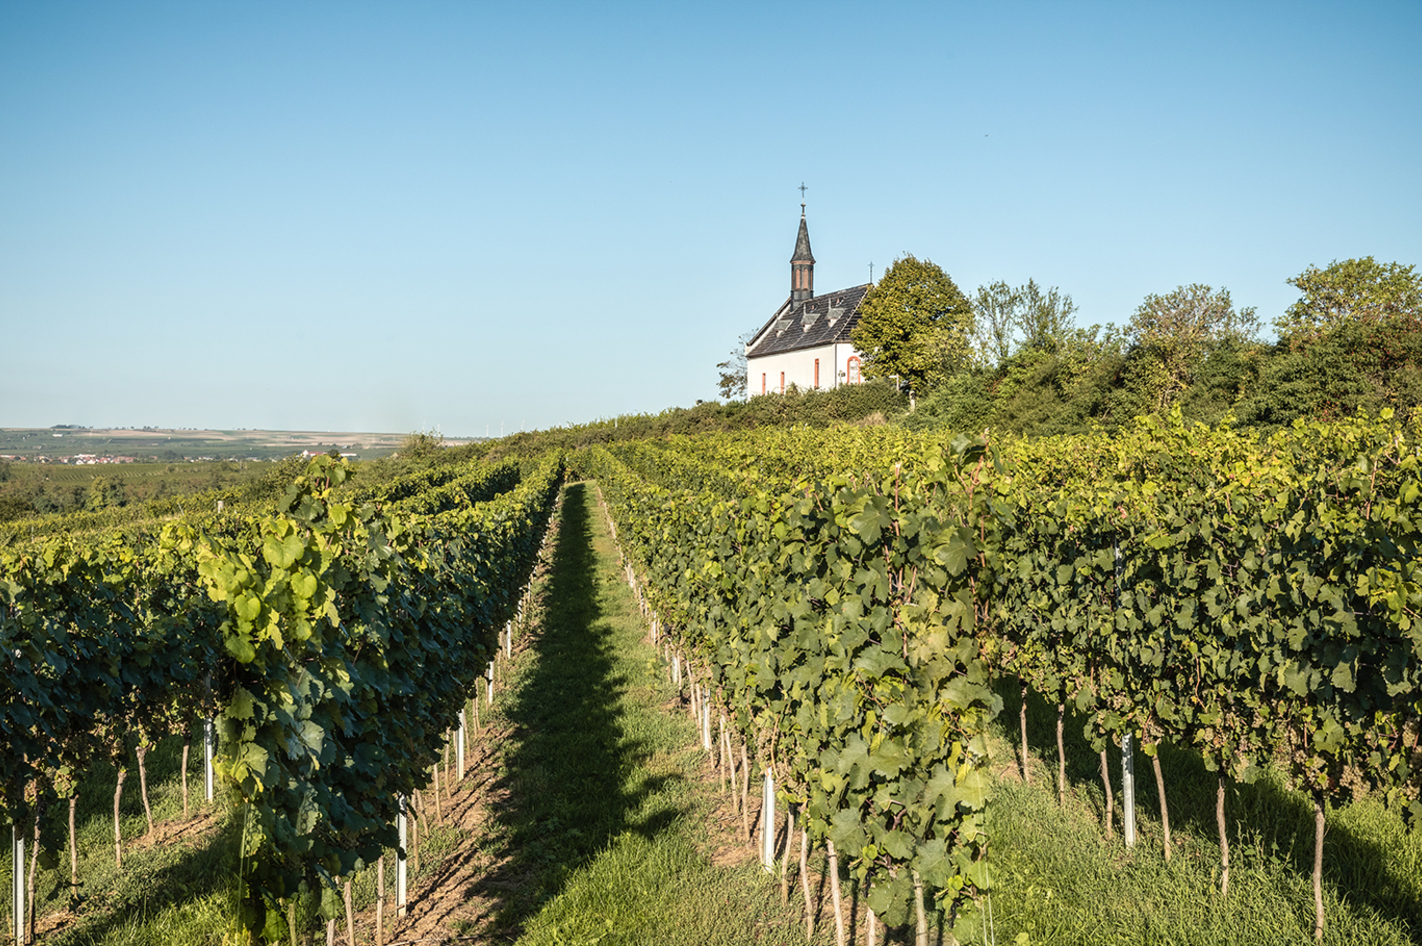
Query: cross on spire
point(803, 188)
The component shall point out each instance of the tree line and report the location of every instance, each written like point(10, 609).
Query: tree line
point(1012, 357)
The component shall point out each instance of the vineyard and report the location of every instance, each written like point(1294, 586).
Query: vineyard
point(845, 603)
point(305, 637)
point(844, 610)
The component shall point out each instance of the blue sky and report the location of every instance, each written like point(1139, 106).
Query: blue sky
point(381, 216)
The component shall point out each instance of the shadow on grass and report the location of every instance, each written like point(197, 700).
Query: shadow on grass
point(572, 769)
point(153, 880)
point(1266, 821)
point(183, 860)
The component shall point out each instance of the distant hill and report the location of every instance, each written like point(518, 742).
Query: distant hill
point(67, 442)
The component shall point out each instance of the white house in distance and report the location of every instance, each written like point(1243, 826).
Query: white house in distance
point(806, 341)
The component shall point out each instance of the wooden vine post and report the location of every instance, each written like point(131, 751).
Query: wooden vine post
point(1022, 720)
point(1224, 837)
point(839, 935)
point(920, 914)
point(745, 791)
point(785, 854)
point(34, 868)
point(380, 901)
point(187, 750)
point(73, 846)
point(118, 829)
point(350, 912)
point(1160, 791)
point(805, 877)
point(142, 754)
point(1318, 826)
point(1110, 799)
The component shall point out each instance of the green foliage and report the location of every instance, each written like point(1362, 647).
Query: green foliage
point(13, 506)
point(994, 323)
point(1355, 290)
point(915, 323)
point(837, 618)
point(104, 493)
point(1046, 318)
point(1038, 392)
point(313, 629)
point(1043, 319)
point(1253, 601)
point(421, 445)
point(1175, 332)
point(868, 403)
point(1150, 563)
point(1352, 365)
point(732, 371)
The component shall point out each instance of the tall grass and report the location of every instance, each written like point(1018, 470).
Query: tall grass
point(1057, 879)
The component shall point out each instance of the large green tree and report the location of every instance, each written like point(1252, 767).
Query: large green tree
point(1355, 290)
point(915, 324)
point(1008, 320)
point(1172, 334)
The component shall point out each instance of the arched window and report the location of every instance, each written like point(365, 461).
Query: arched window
point(817, 372)
point(762, 382)
point(852, 367)
point(782, 382)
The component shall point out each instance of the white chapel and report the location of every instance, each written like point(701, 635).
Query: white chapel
point(806, 342)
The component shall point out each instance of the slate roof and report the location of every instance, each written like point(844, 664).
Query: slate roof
point(823, 320)
point(802, 244)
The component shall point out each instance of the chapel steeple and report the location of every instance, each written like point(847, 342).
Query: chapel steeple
point(802, 264)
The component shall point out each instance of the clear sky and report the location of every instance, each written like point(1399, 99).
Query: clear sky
point(398, 216)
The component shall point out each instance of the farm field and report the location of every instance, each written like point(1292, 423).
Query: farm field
point(527, 851)
point(585, 786)
point(169, 446)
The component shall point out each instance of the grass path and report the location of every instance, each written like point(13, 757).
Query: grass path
point(612, 829)
point(596, 823)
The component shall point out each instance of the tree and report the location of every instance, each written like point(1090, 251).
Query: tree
point(733, 370)
point(995, 323)
point(420, 445)
point(1044, 320)
point(104, 493)
point(1355, 290)
point(1175, 332)
point(915, 323)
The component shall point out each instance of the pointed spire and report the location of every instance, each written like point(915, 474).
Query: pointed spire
point(802, 242)
point(802, 264)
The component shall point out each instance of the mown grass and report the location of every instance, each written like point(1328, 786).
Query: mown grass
point(608, 836)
